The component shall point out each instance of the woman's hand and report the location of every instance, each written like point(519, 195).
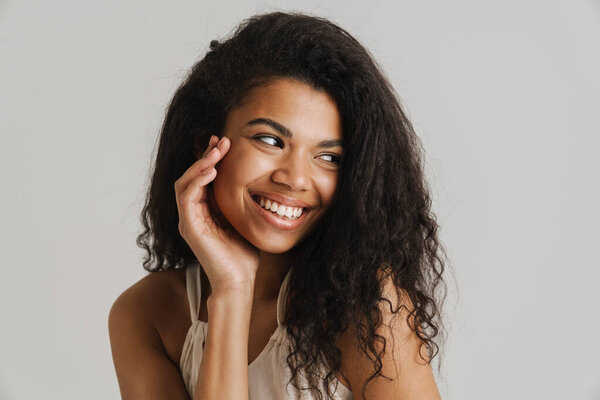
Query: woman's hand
point(229, 260)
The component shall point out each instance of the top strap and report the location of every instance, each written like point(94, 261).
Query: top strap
point(282, 297)
point(194, 289)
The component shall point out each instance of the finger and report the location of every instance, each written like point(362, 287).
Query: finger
point(184, 180)
point(198, 192)
point(199, 197)
point(211, 143)
point(202, 166)
point(193, 204)
point(217, 154)
point(224, 146)
point(195, 219)
point(195, 192)
point(207, 174)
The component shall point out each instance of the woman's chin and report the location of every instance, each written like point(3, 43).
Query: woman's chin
point(273, 242)
point(273, 248)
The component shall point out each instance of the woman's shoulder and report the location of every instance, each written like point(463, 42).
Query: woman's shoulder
point(159, 303)
point(155, 291)
point(147, 325)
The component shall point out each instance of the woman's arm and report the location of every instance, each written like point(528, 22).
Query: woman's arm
point(223, 371)
point(230, 263)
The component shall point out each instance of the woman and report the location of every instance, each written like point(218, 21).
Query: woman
point(288, 229)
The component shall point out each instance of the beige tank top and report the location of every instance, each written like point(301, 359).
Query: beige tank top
point(268, 373)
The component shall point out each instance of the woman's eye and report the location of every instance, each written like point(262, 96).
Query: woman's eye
point(270, 140)
point(332, 158)
point(275, 141)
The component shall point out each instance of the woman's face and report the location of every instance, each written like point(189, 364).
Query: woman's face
point(285, 148)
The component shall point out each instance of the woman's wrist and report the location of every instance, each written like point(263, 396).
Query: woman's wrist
point(235, 295)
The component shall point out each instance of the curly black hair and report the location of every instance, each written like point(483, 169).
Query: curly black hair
point(380, 219)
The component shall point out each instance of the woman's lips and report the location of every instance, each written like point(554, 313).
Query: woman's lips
point(281, 199)
point(274, 220)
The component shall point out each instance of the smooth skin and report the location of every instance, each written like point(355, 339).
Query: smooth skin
point(245, 259)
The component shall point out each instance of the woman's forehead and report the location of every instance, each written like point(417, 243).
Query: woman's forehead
point(288, 107)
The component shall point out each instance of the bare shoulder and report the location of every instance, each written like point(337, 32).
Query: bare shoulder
point(412, 377)
point(160, 298)
point(157, 297)
point(139, 341)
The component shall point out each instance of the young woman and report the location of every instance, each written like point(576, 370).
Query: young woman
point(288, 231)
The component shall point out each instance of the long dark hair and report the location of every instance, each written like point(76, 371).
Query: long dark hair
point(380, 224)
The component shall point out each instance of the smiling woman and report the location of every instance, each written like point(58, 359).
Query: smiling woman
point(288, 231)
point(277, 154)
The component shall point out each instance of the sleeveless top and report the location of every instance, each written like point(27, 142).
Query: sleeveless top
point(268, 373)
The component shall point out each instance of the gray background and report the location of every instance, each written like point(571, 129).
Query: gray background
point(504, 94)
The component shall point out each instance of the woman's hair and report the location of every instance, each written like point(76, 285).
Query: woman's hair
point(379, 225)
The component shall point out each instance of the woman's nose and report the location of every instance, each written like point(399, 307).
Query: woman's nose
point(293, 171)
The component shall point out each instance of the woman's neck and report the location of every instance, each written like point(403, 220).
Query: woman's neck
point(270, 275)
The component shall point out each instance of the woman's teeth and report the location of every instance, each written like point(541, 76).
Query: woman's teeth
point(279, 209)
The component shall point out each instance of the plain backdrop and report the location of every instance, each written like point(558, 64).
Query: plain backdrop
point(505, 96)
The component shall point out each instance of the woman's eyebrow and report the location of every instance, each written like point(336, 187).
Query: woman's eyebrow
point(273, 124)
point(287, 133)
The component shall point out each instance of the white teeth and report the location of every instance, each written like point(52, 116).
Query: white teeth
point(279, 209)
